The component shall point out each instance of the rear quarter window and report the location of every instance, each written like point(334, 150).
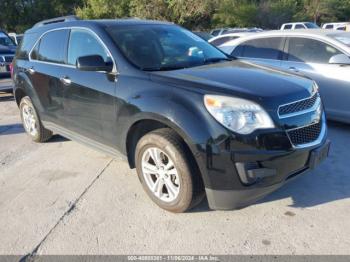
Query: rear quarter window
point(26, 45)
point(237, 52)
point(307, 50)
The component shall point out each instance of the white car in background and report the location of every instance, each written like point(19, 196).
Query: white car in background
point(299, 25)
point(221, 39)
point(337, 26)
point(322, 55)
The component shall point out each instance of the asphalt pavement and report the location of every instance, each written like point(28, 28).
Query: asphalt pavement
point(62, 197)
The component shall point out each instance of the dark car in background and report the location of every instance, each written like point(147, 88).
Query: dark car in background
point(190, 119)
point(7, 52)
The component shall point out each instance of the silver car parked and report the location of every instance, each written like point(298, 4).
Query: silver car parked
point(321, 55)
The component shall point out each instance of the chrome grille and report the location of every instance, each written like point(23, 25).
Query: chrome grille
point(6, 59)
point(306, 134)
point(298, 106)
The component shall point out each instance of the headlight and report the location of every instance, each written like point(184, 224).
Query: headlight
point(239, 115)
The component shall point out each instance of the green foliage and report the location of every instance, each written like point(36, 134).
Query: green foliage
point(236, 13)
point(150, 9)
point(273, 13)
point(93, 9)
point(192, 13)
point(321, 11)
point(18, 15)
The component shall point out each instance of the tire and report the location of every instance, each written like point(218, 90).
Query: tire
point(33, 127)
point(184, 179)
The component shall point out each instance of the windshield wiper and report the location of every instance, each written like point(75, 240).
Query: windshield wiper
point(177, 67)
point(163, 68)
point(216, 59)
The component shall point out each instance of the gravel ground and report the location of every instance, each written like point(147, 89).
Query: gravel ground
point(65, 198)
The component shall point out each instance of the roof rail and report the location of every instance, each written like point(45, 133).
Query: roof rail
point(57, 20)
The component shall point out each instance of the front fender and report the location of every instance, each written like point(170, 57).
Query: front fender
point(184, 112)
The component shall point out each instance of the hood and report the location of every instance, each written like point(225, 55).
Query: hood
point(241, 79)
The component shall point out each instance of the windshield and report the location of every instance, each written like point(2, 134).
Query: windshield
point(344, 38)
point(5, 40)
point(163, 47)
point(311, 25)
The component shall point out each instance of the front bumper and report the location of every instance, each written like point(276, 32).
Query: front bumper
point(6, 83)
point(287, 167)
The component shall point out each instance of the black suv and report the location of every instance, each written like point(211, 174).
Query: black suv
point(191, 120)
point(7, 52)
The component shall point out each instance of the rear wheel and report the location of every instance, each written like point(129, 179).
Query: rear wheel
point(165, 172)
point(31, 122)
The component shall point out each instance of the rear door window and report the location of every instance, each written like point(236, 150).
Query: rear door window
point(286, 27)
point(51, 47)
point(310, 51)
point(25, 46)
point(263, 48)
point(237, 52)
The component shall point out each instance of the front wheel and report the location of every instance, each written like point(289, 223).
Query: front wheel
point(166, 173)
point(31, 122)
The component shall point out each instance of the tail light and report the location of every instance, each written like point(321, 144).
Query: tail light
point(11, 70)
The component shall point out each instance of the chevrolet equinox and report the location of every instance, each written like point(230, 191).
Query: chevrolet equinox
point(190, 119)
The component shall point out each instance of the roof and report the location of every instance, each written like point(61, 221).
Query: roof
point(240, 34)
point(292, 23)
point(310, 32)
point(321, 34)
point(337, 23)
point(51, 23)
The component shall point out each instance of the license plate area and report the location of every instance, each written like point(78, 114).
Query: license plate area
point(4, 68)
point(318, 155)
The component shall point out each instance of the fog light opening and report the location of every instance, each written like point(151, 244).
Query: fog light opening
point(252, 172)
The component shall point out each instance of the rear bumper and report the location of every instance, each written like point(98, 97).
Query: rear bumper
point(242, 196)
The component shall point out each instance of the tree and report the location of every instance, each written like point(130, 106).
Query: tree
point(150, 9)
point(239, 13)
point(93, 9)
point(19, 15)
point(272, 14)
point(194, 14)
point(320, 11)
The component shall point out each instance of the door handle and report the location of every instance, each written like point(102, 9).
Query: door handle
point(292, 68)
point(65, 80)
point(31, 70)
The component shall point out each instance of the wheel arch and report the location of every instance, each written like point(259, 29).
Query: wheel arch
point(23, 87)
point(141, 127)
point(19, 93)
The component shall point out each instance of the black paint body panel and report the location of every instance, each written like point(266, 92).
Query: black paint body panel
point(103, 108)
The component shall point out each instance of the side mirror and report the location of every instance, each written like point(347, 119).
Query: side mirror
point(93, 63)
point(340, 59)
